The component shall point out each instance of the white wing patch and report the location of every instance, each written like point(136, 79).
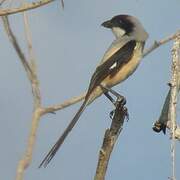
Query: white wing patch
point(113, 66)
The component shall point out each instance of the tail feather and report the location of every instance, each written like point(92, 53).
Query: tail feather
point(60, 141)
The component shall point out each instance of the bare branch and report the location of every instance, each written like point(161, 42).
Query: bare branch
point(25, 7)
point(157, 44)
point(109, 141)
point(31, 57)
point(173, 98)
point(65, 104)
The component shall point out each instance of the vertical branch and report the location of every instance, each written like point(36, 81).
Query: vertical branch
point(164, 120)
point(24, 163)
point(173, 98)
point(31, 57)
point(26, 160)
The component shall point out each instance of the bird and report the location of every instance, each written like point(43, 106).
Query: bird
point(119, 62)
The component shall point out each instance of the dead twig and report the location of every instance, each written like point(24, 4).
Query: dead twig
point(157, 44)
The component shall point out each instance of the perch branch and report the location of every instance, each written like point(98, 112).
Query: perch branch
point(109, 141)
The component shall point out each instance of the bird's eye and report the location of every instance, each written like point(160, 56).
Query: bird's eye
point(120, 21)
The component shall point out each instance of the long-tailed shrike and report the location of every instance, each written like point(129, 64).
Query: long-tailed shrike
point(119, 62)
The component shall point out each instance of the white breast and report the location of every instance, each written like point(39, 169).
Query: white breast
point(118, 32)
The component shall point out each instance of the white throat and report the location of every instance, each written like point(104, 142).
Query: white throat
point(118, 32)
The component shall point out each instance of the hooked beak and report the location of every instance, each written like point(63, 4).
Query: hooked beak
point(107, 24)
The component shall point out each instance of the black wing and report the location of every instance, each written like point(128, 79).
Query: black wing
point(121, 57)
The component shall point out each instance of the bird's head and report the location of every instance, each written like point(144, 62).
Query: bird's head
point(126, 25)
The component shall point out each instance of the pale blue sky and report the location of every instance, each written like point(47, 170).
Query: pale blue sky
point(68, 45)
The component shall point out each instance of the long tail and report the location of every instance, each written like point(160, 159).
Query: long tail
point(60, 141)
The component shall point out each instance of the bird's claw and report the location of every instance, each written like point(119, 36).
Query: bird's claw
point(126, 113)
point(121, 100)
point(111, 114)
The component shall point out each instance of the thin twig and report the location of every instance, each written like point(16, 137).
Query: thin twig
point(157, 44)
point(16, 46)
point(65, 104)
point(26, 7)
point(32, 60)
